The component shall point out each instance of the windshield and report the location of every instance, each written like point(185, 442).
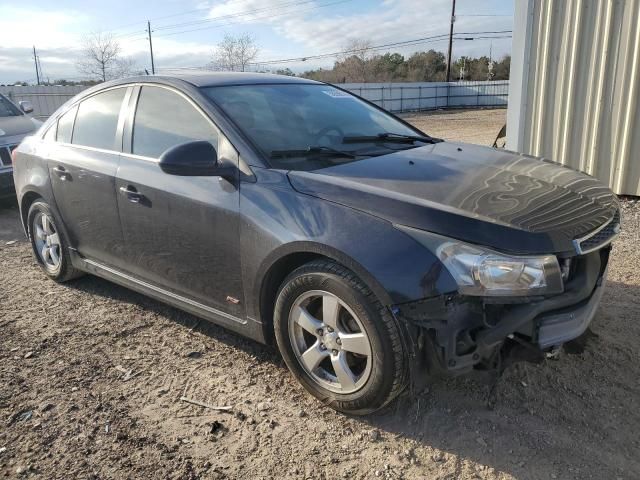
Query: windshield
point(8, 109)
point(307, 127)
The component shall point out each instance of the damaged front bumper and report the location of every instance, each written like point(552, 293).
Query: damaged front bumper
point(456, 333)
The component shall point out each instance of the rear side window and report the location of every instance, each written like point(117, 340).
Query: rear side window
point(164, 119)
point(97, 120)
point(65, 126)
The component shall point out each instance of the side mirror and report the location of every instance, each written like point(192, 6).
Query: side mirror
point(194, 159)
point(26, 106)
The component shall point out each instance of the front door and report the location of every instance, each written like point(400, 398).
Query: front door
point(181, 233)
point(82, 163)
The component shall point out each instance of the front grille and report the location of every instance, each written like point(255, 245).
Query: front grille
point(5, 154)
point(599, 237)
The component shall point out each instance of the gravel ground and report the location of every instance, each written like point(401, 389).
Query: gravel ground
point(91, 377)
point(471, 126)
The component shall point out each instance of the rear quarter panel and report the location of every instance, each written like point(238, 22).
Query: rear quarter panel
point(31, 175)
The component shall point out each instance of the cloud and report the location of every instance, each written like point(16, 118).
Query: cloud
point(23, 26)
point(286, 29)
point(58, 36)
point(321, 30)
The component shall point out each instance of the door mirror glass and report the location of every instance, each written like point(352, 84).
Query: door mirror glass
point(191, 159)
point(26, 106)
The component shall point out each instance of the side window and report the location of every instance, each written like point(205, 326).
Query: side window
point(97, 120)
point(164, 119)
point(65, 126)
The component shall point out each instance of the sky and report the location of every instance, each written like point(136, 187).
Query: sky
point(185, 32)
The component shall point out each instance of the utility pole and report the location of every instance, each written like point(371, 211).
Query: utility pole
point(35, 59)
point(490, 64)
point(41, 72)
point(153, 67)
point(453, 19)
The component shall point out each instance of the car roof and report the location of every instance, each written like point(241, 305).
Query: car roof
point(216, 79)
point(192, 78)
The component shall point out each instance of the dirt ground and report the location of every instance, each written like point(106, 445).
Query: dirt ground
point(91, 377)
point(472, 126)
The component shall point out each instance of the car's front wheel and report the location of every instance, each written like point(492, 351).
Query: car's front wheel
point(338, 340)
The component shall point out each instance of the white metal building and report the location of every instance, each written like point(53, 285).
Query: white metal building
point(574, 95)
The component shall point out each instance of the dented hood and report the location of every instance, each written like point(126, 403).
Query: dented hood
point(498, 198)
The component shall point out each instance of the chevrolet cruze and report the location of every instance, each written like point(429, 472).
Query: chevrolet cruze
point(292, 211)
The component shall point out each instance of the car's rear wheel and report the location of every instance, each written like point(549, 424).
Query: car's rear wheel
point(338, 340)
point(49, 243)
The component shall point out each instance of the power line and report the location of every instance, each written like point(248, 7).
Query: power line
point(416, 41)
point(257, 18)
point(177, 14)
point(344, 52)
point(237, 15)
point(407, 43)
point(234, 15)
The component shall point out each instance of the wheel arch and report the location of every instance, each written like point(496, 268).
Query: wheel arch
point(289, 257)
point(25, 203)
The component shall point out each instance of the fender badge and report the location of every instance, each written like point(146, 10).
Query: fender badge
point(233, 300)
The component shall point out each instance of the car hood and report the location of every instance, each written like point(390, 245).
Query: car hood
point(498, 198)
point(15, 126)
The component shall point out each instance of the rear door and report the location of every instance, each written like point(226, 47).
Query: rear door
point(181, 233)
point(82, 163)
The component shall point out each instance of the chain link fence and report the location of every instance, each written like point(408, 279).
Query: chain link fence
point(45, 100)
point(394, 97)
point(423, 96)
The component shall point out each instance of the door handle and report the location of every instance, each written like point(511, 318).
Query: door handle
point(132, 194)
point(62, 173)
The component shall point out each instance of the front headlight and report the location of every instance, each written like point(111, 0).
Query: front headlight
point(483, 272)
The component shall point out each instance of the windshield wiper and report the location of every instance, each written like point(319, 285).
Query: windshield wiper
point(390, 137)
point(312, 150)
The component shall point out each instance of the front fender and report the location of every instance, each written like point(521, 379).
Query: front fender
point(278, 221)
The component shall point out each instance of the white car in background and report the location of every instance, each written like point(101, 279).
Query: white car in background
point(15, 124)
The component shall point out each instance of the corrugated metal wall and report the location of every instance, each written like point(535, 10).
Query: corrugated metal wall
point(576, 99)
point(45, 100)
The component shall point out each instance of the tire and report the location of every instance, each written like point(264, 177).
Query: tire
point(44, 235)
point(338, 340)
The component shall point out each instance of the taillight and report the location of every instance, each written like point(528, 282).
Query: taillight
point(14, 153)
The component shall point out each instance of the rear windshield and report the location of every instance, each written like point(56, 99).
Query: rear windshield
point(8, 109)
point(291, 117)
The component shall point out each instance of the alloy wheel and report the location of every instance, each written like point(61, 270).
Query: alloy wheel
point(47, 241)
point(330, 342)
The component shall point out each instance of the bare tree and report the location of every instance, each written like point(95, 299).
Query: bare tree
point(235, 53)
point(355, 61)
point(101, 58)
point(125, 67)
